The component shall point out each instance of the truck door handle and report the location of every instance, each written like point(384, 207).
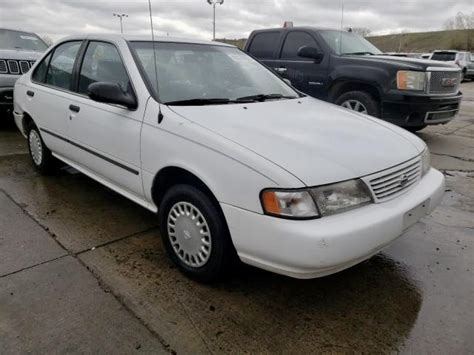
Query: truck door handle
point(30, 93)
point(281, 70)
point(74, 108)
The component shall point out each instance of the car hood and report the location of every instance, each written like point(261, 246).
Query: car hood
point(317, 142)
point(408, 63)
point(19, 54)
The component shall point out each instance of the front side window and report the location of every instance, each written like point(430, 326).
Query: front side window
point(348, 43)
point(62, 64)
point(39, 75)
point(18, 40)
point(293, 42)
point(193, 71)
point(102, 63)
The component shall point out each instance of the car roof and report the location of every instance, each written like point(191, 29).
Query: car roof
point(16, 30)
point(446, 51)
point(119, 37)
point(307, 28)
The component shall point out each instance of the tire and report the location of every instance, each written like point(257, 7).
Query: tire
point(41, 157)
point(365, 100)
point(414, 129)
point(178, 232)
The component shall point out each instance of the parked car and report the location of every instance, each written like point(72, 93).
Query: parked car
point(465, 60)
point(18, 52)
point(345, 69)
point(234, 160)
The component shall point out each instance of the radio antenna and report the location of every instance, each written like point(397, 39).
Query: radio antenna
point(160, 115)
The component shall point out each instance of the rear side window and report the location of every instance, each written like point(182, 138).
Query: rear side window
point(293, 42)
point(444, 56)
point(102, 63)
point(60, 68)
point(264, 45)
point(39, 75)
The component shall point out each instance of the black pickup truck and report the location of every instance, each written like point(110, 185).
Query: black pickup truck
point(343, 68)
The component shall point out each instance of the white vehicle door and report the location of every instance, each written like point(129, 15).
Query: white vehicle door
point(49, 94)
point(105, 138)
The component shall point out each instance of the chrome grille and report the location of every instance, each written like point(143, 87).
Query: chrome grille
point(3, 67)
point(440, 80)
point(15, 67)
point(392, 182)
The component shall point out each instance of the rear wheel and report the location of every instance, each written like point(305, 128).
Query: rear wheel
point(40, 155)
point(359, 101)
point(195, 234)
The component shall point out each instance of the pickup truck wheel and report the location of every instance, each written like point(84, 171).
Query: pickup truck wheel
point(359, 101)
point(195, 234)
point(40, 155)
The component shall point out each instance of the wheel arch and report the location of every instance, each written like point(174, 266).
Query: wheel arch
point(342, 86)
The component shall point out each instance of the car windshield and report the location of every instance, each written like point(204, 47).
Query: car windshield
point(348, 43)
point(21, 40)
point(208, 74)
point(444, 56)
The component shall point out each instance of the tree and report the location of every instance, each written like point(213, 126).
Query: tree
point(362, 31)
point(461, 21)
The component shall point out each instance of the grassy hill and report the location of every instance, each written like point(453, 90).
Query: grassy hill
point(425, 41)
point(410, 42)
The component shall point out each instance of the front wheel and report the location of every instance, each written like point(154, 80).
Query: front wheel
point(195, 234)
point(40, 155)
point(359, 101)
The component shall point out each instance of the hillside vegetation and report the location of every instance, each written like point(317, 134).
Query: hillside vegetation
point(410, 42)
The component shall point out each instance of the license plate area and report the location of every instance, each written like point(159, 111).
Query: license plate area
point(415, 214)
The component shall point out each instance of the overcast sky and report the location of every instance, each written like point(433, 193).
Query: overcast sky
point(235, 19)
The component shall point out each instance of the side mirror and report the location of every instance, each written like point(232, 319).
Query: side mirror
point(311, 52)
point(111, 93)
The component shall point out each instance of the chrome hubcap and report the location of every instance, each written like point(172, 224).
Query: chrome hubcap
point(36, 148)
point(355, 105)
point(189, 234)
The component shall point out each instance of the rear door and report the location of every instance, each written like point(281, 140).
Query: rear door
point(105, 138)
point(48, 95)
point(264, 46)
point(304, 73)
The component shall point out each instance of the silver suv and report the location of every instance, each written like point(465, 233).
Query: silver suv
point(18, 52)
point(465, 60)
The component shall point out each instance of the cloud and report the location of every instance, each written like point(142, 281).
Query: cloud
point(235, 19)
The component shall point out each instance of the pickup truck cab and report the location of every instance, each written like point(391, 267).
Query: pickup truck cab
point(18, 52)
point(343, 68)
point(235, 162)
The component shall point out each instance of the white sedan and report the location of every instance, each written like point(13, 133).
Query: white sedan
point(236, 163)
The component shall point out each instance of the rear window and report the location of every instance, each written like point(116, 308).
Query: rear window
point(264, 45)
point(444, 56)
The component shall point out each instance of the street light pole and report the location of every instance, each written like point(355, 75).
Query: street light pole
point(214, 3)
point(121, 16)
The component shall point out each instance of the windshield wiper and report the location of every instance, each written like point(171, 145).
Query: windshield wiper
point(358, 53)
point(263, 97)
point(199, 102)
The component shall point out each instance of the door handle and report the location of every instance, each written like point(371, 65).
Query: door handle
point(74, 108)
point(30, 93)
point(281, 70)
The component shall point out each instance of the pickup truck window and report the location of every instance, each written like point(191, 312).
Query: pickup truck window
point(264, 45)
point(348, 43)
point(444, 56)
point(294, 41)
point(10, 39)
point(61, 66)
point(102, 63)
point(216, 74)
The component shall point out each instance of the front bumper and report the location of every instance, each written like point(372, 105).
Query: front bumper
point(6, 98)
point(417, 110)
point(319, 247)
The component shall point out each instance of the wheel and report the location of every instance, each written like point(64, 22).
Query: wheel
point(195, 234)
point(40, 155)
point(414, 129)
point(359, 101)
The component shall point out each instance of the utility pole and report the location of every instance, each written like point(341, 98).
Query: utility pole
point(214, 3)
point(120, 16)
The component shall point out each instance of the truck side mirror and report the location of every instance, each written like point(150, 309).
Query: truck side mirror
point(311, 52)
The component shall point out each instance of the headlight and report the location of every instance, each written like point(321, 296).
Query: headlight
point(341, 197)
point(316, 202)
point(290, 204)
point(411, 80)
point(425, 161)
